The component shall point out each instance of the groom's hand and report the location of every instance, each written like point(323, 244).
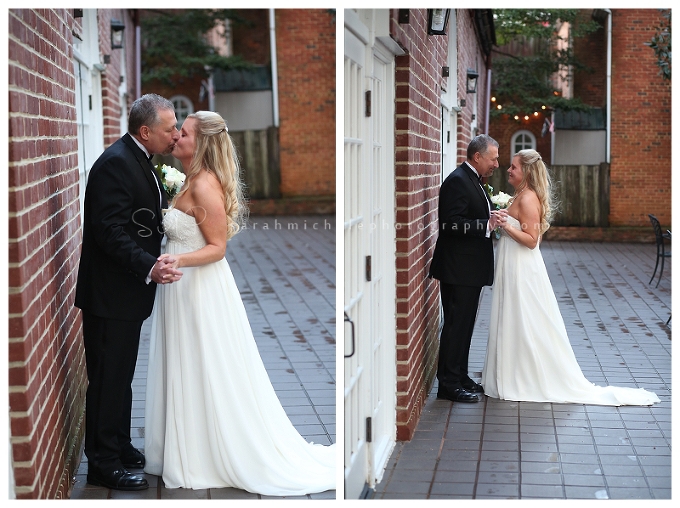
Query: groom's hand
point(498, 218)
point(164, 271)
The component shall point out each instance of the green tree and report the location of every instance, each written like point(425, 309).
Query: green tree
point(174, 45)
point(661, 44)
point(530, 53)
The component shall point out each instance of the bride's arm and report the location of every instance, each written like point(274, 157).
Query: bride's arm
point(528, 214)
point(208, 209)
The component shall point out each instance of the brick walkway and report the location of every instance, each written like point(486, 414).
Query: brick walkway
point(285, 270)
point(498, 449)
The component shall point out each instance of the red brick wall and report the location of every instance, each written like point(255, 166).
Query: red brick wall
point(470, 57)
point(641, 123)
point(47, 378)
point(110, 81)
point(419, 85)
point(305, 44)
point(251, 39)
point(591, 86)
point(417, 168)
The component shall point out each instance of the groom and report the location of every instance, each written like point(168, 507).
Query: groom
point(117, 281)
point(463, 264)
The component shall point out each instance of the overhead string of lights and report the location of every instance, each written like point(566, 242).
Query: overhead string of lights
point(517, 117)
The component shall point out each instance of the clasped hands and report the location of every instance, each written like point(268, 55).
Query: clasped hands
point(498, 219)
point(165, 270)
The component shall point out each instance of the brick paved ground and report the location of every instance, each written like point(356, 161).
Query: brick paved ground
point(285, 270)
point(498, 449)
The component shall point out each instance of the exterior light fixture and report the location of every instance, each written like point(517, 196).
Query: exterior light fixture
point(117, 30)
point(437, 20)
point(472, 76)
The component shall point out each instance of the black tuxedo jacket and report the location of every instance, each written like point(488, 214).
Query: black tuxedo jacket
point(463, 254)
point(122, 232)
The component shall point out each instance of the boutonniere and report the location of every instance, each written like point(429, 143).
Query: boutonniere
point(171, 178)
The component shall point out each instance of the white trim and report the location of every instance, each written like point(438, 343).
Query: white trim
point(514, 137)
point(189, 108)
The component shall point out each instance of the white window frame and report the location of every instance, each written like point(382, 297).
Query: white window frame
point(513, 140)
point(180, 111)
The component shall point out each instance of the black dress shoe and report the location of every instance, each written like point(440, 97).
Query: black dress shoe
point(473, 387)
point(120, 479)
point(457, 395)
point(133, 459)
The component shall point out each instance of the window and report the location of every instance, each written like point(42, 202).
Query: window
point(522, 140)
point(183, 108)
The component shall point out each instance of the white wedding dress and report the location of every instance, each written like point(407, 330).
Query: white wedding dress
point(528, 355)
point(212, 416)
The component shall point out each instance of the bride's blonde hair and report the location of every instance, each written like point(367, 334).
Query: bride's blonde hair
point(215, 152)
point(536, 177)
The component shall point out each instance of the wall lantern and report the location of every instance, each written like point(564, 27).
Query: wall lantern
point(472, 76)
point(437, 20)
point(117, 30)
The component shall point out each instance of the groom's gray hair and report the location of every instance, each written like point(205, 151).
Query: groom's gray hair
point(144, 111)
point(480, 144)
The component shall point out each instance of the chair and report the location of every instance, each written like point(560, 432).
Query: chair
point(661, 252)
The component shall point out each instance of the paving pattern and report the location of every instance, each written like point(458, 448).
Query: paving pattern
point(499, 449)
point(285, 270)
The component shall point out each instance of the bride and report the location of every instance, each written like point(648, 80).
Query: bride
point(528, 356)
point(212, 416)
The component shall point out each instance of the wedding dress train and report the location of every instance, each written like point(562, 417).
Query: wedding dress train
point(212, 416)
point(528, 356)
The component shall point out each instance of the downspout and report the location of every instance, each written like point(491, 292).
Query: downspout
point(274, 64)
point(138, 58)
point(488, 99)
point(609, 86)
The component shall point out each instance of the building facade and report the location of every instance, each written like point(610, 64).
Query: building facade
point(627, 135)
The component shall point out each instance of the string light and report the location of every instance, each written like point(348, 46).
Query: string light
point(526, 116)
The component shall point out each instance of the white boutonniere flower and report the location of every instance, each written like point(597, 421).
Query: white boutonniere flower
point(171, 178)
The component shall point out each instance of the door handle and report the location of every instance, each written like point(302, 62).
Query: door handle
point(348, 320)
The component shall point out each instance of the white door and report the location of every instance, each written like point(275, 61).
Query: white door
point(449, 140)
point(89, 115)
point(450, 107)
point(369, 233)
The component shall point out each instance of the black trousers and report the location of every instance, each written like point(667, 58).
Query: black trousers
point(459, 304)
point(111, 348)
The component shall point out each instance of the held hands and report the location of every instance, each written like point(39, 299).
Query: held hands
point(499, 218)
point(165, 270)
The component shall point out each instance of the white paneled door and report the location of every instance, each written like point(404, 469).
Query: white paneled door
point(369, 251)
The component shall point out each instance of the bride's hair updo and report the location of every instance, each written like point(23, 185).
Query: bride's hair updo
point(536, 177)
point(215, 152)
